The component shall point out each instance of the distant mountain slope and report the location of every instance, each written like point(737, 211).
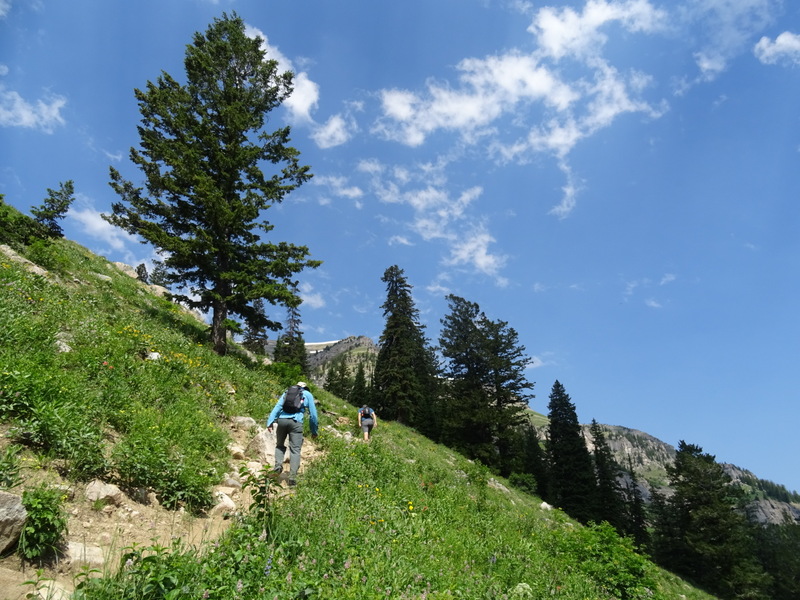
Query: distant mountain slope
point(352, 350)
point(649, 457)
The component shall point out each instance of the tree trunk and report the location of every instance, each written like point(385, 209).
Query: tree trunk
point(219, 337)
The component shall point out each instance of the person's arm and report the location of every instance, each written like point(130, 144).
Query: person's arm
point(312, 413)
point(359, 418)
point(276, 410)
point(374, 419)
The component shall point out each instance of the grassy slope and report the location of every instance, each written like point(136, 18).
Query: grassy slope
point(399, 517)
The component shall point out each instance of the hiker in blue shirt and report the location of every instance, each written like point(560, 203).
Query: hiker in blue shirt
point(290, 424)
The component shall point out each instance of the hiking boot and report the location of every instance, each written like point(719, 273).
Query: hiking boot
point(292, 482)
point(275, 473)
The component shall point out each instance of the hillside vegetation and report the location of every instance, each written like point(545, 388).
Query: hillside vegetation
point(101, 378)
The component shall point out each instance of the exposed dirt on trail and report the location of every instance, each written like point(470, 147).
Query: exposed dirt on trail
point(98, 536)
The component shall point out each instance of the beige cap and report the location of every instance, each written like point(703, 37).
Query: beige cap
point(302, 384)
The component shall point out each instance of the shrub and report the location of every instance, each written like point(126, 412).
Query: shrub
point(16, 229)
point(523, 481)
point(46, 525)
point(177, 479)
point(47, 255)
point(611, 561)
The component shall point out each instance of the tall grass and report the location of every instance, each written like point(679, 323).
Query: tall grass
point(88, 357)
point(396, 518)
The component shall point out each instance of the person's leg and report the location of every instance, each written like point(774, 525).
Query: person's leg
point(295, 445)
point(280, 444)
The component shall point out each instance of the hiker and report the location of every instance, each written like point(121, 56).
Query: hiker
point(290, 424)
point(367, 419)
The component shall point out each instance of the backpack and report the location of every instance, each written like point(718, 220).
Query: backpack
point(293, 399)
point(366, 413)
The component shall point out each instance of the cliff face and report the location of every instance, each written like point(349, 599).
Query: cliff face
point(648, 457)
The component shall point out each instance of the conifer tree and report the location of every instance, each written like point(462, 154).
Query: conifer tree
point(466, 371)
point(487, 391)
point(403, 383)
point(202, 151)
point(54, 208)
point(533, 457)
point(290, 347)
point(778, 549)
point(701, 531)
point(338, 380)
point(636, 517)
point(508, 387)
point(609, 504)
point(572, 482)
point(359, 389)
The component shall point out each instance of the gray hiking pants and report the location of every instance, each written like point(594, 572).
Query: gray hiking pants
point(294, 431)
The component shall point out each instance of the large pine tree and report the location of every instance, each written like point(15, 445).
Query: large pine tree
point(203, 147)
point(487, 391)
point(465, 371)
point(404, 380)
point(572, 482)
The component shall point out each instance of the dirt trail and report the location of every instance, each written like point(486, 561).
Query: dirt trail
point(107, 533)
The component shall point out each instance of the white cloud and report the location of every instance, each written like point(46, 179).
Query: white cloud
point(95, 226)
point(45, 115)
point(785, 49)
point(305, 96)
point(310, 298)
point(652, 303)
point(338, 186)
point(335, 132)
point(3, 69)
point(5, 7)
point(566, 33)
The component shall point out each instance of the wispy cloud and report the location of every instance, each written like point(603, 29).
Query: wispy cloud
point(399, 240)
point(473, 250)
point(726, 27)
point(5, 7)
point(543, 359)
point(517, 89)
point(311, 298)
point(338, 186)
point(44, 115)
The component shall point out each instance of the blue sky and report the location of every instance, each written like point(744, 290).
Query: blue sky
point(618, 180)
